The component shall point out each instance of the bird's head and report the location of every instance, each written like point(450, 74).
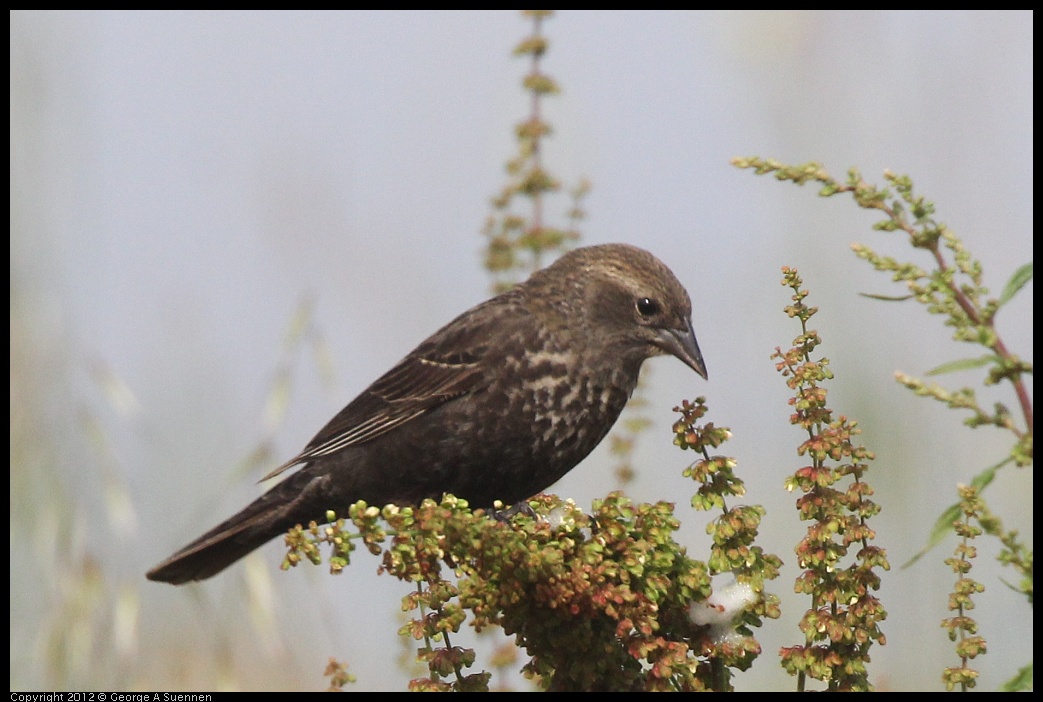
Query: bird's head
point(625, 300)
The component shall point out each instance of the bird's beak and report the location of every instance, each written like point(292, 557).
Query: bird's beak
point(682, 344)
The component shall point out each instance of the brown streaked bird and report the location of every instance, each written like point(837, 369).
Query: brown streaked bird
point(497, 405)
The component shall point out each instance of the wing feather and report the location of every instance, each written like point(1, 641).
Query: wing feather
point(420, 382)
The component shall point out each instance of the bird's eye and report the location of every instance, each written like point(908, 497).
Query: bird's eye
point(647, 307)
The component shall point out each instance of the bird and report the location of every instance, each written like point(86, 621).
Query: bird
point(494, 407)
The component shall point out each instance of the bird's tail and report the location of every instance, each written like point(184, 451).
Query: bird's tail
point(268, 516)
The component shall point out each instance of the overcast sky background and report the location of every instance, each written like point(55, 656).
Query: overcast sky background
point(182, 181)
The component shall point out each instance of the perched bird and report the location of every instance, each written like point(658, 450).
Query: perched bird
point(497, 405)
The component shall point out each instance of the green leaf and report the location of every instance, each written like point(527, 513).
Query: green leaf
point(942, 528)
point(1016, 282)
point(964, 364)
point(1021, 681)
point(943, 525)
point(982, 479)
point(887, 298)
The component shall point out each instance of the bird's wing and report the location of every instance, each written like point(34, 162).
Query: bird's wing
point(436, 372)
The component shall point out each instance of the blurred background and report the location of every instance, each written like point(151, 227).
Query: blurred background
point(185, 186)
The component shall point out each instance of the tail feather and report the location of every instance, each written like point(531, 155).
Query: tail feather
point(216, 550)
point(264, 519)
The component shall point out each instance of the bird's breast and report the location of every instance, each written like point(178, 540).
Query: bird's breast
point(534, 417)
point(559, 403)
